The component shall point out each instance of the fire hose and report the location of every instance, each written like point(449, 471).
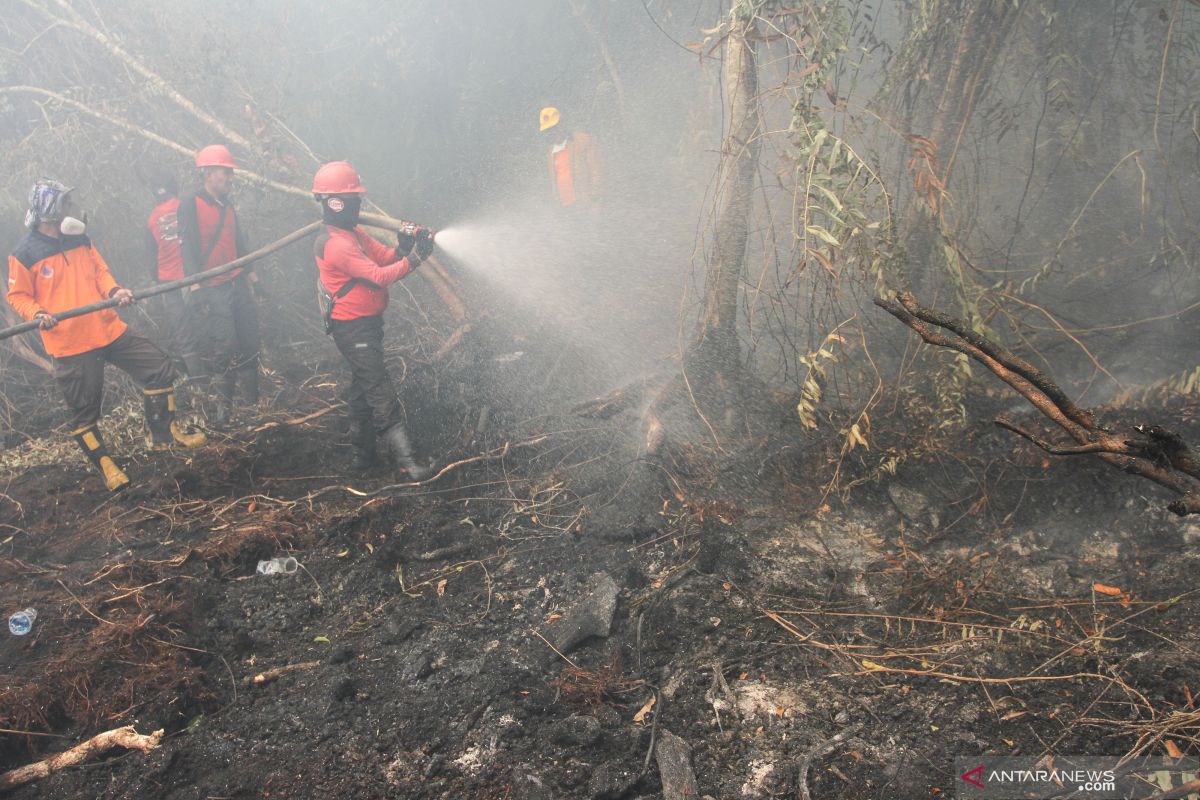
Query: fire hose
point(373, 220)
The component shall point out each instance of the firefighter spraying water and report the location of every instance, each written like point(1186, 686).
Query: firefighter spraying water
point(355, 271)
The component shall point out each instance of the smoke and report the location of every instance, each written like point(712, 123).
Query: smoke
point(606, 278)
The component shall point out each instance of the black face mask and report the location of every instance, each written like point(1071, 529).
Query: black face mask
point(341, 210)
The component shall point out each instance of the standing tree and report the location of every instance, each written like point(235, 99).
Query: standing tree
point(712, 367)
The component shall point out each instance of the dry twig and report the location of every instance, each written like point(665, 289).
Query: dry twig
point(125, 737)
point(278, 672)
point(818, 751)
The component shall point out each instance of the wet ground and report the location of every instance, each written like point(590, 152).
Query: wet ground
point(980, 602)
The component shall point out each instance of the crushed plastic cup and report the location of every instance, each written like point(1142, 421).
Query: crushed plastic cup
point(21, 622)
point(278, 566)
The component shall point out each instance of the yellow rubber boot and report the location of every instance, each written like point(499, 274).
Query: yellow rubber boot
point(165, 431)
point(114, 477)
point(185, 439)
point(88, 438)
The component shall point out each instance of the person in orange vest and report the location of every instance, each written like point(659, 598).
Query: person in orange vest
point(162, 231)
point(210, 236)
point(573, 161)
point(355, 271)
point(55, 267)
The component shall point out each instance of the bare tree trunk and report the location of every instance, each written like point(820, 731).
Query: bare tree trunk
point(984, 30)
point(713, 366)
point(964, 80)
point(609, 63)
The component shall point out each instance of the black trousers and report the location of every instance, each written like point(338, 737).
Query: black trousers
point(81, 377)
point(231, 324)
point(372, 395)
point(179, 313)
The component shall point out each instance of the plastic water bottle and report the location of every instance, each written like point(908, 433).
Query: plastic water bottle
point(21, 622)
point(278, 566)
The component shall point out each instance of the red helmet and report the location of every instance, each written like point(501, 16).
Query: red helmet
point(215, 155)
point(337, 177)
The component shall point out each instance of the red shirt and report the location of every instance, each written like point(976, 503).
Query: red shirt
point(164, 227)
point(199, 220)
point(343, 255)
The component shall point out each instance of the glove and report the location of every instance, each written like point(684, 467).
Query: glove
point(404, 243)
point(424, 246)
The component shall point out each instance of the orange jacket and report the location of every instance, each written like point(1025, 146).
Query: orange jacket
point(48, 274)
point(575, 170)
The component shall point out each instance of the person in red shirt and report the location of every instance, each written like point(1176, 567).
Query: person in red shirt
point(355, 271)
point(162, 231)
point(54, 268)
point(209, 237)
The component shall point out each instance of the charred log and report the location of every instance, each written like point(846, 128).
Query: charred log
point(1154, 453)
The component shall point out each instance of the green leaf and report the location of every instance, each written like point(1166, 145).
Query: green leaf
point(835, 151)
point(824, 235)
point(833, 198)
point(324, 639)
point(819, 140)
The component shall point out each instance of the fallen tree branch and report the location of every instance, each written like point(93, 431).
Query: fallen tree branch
point(1053, 449)
point(278, 672)
point(614, 402)
point(125, 737)
point(297, 421)
point(1178, 792)
point(821, 750)
point(1150, 451)
point(449, 551)
point(151, 136)
point(1010, 679)
point(499, 452)
point(76, 21)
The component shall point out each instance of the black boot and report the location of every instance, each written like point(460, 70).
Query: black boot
point(248, 378)
point(88, 439)
point(193, 365)
point(160, 419)
point(362, 446)
point(396, 440)
point(222, 406)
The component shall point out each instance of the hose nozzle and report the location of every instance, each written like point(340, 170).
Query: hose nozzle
point(417, 231)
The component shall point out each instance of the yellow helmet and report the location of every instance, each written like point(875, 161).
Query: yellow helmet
point(549, 118)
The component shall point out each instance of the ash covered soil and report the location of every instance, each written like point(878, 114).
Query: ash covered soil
point(539, 620)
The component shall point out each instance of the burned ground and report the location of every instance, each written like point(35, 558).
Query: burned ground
point(984, 601)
